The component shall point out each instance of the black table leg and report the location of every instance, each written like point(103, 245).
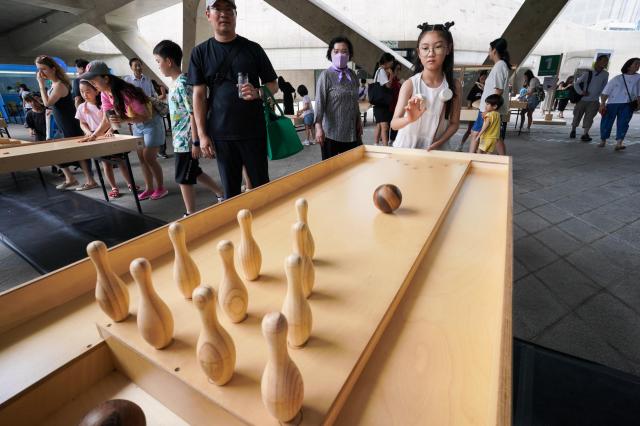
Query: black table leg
point(104, 188)
point(133, 182)
point(44, 185)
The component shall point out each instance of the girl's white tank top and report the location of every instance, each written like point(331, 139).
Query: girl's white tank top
point(425, 130)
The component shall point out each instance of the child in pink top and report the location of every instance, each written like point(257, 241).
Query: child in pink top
point(124, 102)
point(91, 116)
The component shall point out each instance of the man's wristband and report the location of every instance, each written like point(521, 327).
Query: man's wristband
point(196, 143)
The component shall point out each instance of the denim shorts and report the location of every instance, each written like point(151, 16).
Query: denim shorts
point(152, 131)
point(477, 126)
point(532, 103)
point(308, 119)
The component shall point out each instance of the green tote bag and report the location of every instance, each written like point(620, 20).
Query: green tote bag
point(282, 138)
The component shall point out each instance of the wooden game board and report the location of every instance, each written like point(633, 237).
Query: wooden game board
point(366, 262)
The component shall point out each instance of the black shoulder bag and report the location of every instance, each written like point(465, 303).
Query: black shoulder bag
point(633, 103)
point(379, 95)
point(574, 96)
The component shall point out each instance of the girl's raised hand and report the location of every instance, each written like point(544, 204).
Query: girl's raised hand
point(414, 109)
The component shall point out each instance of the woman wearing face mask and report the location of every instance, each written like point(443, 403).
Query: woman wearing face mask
point(338, 125)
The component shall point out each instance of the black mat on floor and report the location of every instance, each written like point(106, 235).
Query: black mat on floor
point(551, 388)
point(51, 229)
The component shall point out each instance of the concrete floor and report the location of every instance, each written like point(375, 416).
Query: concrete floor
point(576, 233)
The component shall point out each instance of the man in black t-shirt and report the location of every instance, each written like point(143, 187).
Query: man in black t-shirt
point(81, 67)
point(230, 120)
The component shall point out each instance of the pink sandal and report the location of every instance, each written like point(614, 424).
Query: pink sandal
point(114, 193)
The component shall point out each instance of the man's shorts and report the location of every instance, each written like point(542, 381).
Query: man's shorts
point(187, 169)
point(477, 126)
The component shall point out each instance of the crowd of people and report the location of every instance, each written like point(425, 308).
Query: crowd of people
point(213, 114)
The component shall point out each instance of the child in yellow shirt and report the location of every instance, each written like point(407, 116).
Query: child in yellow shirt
point(490, 132)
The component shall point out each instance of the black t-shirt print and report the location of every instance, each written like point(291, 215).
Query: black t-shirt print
point(229, 117)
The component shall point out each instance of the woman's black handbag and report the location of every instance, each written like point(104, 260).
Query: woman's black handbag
point(633, 103)
point(379, 95)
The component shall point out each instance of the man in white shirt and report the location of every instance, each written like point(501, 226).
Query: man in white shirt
point(590, 86)
point(140, 80)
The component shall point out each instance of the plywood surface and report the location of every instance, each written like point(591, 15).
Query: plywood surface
point(57, 310)
point(554, 122)
point(468, 115)
point(363, 258)
point(65, 333)
point(446, 363)
point(29, 156)
point(114, 386)
point(517, 104)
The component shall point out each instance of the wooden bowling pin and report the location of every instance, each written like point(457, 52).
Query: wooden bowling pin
point(282, 387)
point(111, 293)
point(249, 252)
point(299, 231)
point(215, 350)
point(185, 270)
point(233, 296)
point(302, 207)
point(155, 321)
point(295, 307)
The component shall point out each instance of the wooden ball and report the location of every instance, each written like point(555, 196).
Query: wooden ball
point(387, 198)
point(116, 412)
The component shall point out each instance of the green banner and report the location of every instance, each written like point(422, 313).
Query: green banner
point(549, 65)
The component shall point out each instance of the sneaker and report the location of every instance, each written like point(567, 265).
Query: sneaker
point(186, 215)
point(306, 142)
point(144, 195)
point(220, 199)
point(131, 188)
point(585, 138)
point(163, 156)
point(572, 135)
point(313, 142)
point(66, 185)
point(159, 193)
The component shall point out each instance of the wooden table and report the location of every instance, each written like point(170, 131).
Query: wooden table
point(298, 122)
point(411, 324)
point(31, 155)
point(4, 128)
point(468, 115)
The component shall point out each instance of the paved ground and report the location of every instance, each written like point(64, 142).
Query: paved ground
point(576, 232)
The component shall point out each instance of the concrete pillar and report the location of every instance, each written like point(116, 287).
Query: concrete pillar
point(529, 25)
point(189, 15)
point(131, 44)
point(326, 23)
